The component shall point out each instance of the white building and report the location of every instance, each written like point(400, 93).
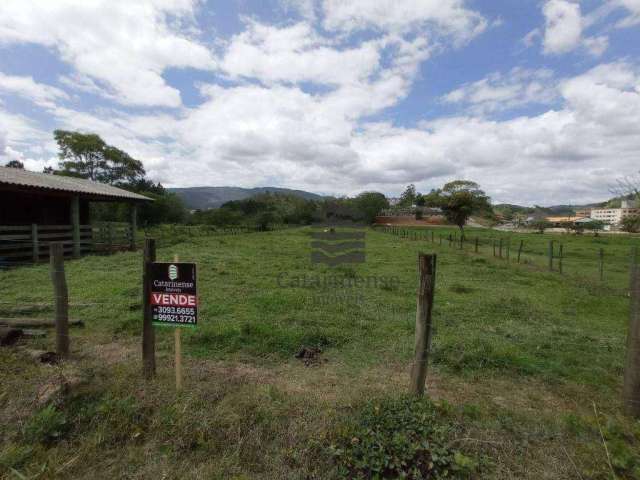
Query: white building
point(614, 216)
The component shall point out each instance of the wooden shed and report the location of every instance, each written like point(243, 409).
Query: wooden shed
point(39, 208)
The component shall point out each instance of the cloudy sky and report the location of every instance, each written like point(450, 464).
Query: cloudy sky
point(537, 100)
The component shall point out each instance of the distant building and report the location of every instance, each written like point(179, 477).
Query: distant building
point(393, 201)
point(585, 212)
point(614, 216)
point(561, 221)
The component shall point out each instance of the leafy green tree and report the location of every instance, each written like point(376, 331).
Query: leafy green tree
point(166, 208)
point(370, 204)
point(15, 164)
point(541, 225)
point(631, 224)
point(120, 168)
point(408, 197)
point(595, 226)
point(81, 154)
point(86, 155)
point(432, 199)
point(460, 199)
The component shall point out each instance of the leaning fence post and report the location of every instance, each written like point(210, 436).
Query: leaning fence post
point(601, 263)
point(424, 308)
point(520, 249)
point(61, 295)
point(476, 245)
point(550, 255)
point(560, 255)
point(148, 335)
point(631, 388)
point(34, 243)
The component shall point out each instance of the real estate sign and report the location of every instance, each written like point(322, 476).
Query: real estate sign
point(174, 300)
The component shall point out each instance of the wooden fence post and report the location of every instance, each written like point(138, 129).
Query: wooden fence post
point(500, 247)
point(601, 263)
point(35, 247)
point(631, 388)
point(476, 245)
point(133, 225)
point(450, 240)
point(424, 308)
point(432, 241)
point(560, 255)
point(61, 295)
point(110, 237)
point(494, 247)
point(75, 225)
point(550, 255)
point(520, 249)
point(178, 346)
point(461, 240)
point(148, 335)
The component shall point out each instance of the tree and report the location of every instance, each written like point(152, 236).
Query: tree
point(81, 154)
point(596, 226)
point(631, 224)
point(370, 204)
point(432, 199)
point(541, 225)
point(460, 199)
point(408, 197)
point(120, 168)
point(86, 155)
point(628, 187)
point(15, 164)
point(166, 208)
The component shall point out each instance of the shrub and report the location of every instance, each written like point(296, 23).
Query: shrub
point(402, 437)
point(46, 426)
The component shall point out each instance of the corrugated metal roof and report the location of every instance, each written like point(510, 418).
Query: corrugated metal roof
point(16, 176)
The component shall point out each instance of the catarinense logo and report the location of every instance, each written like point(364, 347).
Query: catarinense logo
point(173, 272)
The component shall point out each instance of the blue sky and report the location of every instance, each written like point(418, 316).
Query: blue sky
point(538, 101)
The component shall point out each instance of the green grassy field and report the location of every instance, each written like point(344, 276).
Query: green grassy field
point(525, 375)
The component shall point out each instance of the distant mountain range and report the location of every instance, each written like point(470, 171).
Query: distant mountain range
point(213, 197)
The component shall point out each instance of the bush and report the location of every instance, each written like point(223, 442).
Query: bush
point(402, 437)
point(46, 426)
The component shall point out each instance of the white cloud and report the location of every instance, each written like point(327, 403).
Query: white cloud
point(306, 8)
point(39, 93)
point(296, 54)
point(633, 7)
point(264, 124)
point(498, 92)
point(127, 45)
point(596, 46)
point(450, 17)
point(563, 28)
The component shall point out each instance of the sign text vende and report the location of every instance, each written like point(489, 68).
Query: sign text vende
point(177, 299)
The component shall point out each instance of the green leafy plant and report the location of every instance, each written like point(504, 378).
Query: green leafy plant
point(46, 426)
point(402, 437)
